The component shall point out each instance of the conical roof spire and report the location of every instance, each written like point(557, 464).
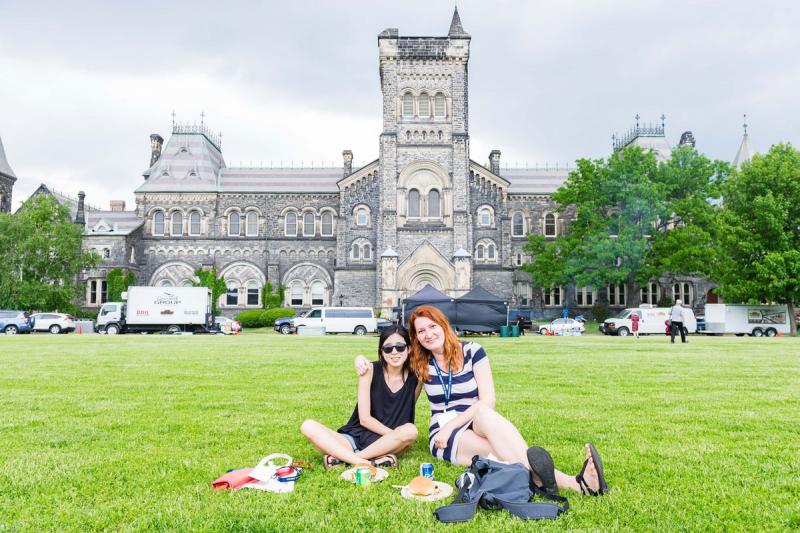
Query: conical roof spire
point(456, 29)
point(5, 168)
point(743, 155)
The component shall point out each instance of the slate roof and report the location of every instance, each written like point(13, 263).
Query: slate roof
point(534, 180)
point(743, 154)
point(5, 168)
point(280, 180)
point(119, 222)
point(189, 162)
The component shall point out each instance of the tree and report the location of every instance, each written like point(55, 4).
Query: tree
point(270, 299)
point(208, 278)
point(759, 232)
point(118, 282)
point(634, 219)
point(41, 256)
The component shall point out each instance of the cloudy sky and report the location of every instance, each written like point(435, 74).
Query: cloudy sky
point(84, 84)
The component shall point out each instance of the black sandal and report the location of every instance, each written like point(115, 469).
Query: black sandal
point(386, 461)
point(329, 461)
point(598, 465)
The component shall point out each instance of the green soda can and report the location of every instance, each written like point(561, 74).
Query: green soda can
point(362, 476)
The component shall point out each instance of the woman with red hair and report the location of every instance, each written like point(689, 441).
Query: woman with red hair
point(459, 385)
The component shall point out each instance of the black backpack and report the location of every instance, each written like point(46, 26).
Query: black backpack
point(494, 485)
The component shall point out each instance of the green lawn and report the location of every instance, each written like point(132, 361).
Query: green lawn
point(127, 432)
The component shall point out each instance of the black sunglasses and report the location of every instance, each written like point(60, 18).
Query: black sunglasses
point(387, 348)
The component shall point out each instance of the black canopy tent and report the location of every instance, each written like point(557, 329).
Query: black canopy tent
point(479, 310)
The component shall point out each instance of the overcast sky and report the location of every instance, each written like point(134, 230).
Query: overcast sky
point(84, 84)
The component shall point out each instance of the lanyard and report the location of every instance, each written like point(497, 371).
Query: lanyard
point(447, 389)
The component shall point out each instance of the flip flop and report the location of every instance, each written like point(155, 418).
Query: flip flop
point(598, 465)
point(541, 464)
point(386, 461)
point(329, 461)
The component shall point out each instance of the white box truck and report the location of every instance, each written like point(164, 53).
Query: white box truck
point(652, 320)
point(743, 319)
point(158, 309)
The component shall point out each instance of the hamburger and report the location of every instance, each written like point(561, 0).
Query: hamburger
point(421, 486)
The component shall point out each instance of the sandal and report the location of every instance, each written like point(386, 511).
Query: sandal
point(329, 461)
point(386, 461)
point(601, 480)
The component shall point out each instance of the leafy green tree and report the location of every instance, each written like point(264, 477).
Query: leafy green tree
point(118, 282)
point(627, 211)
point(41, 256)
point(208, 278)
point(270, 299)
point(759, 232)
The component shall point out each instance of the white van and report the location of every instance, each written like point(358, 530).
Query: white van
point(651, 320)
point(357, 320)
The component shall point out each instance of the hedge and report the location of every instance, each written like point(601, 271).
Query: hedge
point(260, 318)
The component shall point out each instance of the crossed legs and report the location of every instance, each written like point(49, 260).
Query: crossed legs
point(493, 433)
point(332, 443)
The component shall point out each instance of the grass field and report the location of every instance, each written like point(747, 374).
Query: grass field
point(127, 432)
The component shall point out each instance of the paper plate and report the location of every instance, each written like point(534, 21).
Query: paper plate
point(443, 490)
point(350, 475)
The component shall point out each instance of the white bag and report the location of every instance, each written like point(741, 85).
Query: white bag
point(265, 474)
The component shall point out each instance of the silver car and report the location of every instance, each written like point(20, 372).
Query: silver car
point(53, 322)
point(563, 326)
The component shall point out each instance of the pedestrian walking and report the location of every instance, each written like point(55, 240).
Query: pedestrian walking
point(676, 322)
point(635, 324)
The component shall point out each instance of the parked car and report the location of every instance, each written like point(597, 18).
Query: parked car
point(284, 325)
point(356, 320)
point(383, 324)
point(561, 326)
point(227, 325)
point(524, 323)
point(13, 322)
point(55, 323)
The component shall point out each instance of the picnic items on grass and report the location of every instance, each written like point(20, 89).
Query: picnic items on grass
point(266, 476)
point(425, 489)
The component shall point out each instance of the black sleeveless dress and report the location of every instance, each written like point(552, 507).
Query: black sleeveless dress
point(392, 409)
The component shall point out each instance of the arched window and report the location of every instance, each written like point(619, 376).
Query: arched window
point(232, 295)
point(234, 223)
point(485, 217)
point(413, 203)
point(439, 105)
point(408, 105)
point(251, 229)
point(650, 293)
point(480, 252)
point(424, 105)
point(194, 223)
point(290, 224)
point(253, 293)
point(166, 283)
point(366, 252)
point(517, 225)
point(616, 295)
point(490, 256)
point(684, 292)
point(550, 225)
point(362, 218)
point(317, 293)
point(296, 294)
point(356, 251)
point(327, 224)
point(308, 224)
point(187, 283)
point(434, 204)
point(177, 223)
point(158, 223)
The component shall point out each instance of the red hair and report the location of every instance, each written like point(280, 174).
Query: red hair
point(421, 356)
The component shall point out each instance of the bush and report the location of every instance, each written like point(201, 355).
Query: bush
point(260, 318)
point(600, 311)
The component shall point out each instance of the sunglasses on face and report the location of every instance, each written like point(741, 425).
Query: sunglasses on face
point(400, 346)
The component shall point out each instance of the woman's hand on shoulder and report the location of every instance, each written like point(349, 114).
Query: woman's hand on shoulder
point(362, 365)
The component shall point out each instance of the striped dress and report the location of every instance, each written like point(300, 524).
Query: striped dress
point(463, 395)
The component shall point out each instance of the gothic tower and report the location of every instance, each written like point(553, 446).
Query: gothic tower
point(424, 162)
point(7, 179)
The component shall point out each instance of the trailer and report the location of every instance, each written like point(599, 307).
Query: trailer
point(743, 319)
point(158, 309)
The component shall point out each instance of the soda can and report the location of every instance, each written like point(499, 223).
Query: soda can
point(426, 470)
point(362, 475)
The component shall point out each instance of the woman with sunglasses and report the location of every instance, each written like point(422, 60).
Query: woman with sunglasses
point(382, 424)
point(460, 388)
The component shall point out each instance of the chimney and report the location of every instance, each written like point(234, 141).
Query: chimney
point(494, 162)
point(155, 147)
point(348, 162)
point(80, 215)
point(117, 205)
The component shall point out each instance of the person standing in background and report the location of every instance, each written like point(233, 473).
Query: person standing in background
point(635, 324)
point(676, 322)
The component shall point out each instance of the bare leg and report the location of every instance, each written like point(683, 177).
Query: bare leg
point(470, 445)
point(328, 441)
point(400, 439)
